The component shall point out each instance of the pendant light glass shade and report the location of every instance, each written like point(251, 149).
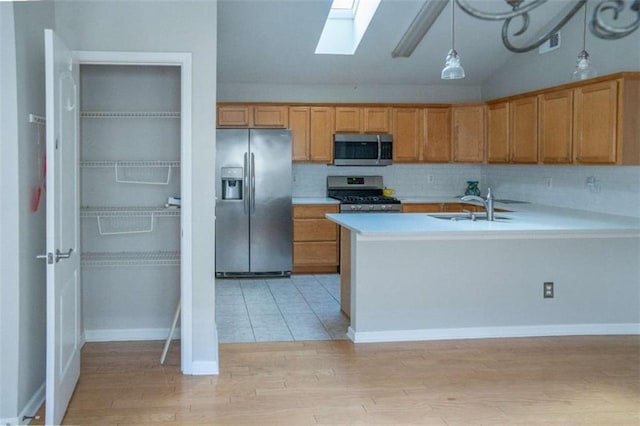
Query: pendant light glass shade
point(452, 68)
point(584, 70)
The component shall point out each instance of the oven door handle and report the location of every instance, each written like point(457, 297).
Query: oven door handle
point(379, 149)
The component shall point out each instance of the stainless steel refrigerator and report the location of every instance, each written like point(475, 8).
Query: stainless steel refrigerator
point(253, 207)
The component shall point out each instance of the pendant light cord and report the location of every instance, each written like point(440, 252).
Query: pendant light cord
point(584, 28)
point(453, 22)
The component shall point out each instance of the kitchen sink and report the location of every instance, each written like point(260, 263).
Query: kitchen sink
point(466, 216)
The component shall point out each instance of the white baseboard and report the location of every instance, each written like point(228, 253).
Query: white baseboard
point(30, 409)
point(129, 334)
point(493, 332)
point(204, 368)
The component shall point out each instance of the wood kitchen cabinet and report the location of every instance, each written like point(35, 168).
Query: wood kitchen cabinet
point(436, 145)
point(407, 134)
point(498, 133)
point(555, 127)
point(422, 208)
point(271, 116)
point(468, 133)
point(376, 120)
point(441, 207)
point(299, 126)
point(315, 239)
point(234, 116)
point(348, 119)
point(321, 125)
point(259, 116)
point(523, 130)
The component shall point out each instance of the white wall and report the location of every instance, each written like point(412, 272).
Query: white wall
point(342, 93)
point(531, 71)
point(22, 305)
point(171, 26)
point(8, 216)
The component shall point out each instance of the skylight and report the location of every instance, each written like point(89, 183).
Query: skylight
point(346, 24)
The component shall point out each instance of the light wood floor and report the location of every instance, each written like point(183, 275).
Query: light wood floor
point(564, 380)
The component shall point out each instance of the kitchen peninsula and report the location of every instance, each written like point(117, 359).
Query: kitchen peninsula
point(414, 276)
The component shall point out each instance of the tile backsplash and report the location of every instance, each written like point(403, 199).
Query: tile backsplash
point(408, 180)
point(606, 189)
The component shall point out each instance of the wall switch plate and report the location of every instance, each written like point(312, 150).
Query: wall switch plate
point(547, 290)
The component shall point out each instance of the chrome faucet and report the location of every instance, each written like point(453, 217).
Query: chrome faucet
point(487, 203)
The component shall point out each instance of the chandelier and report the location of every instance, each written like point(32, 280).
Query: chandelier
point(600, 23)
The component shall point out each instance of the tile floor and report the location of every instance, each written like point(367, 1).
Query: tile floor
point(302, 307)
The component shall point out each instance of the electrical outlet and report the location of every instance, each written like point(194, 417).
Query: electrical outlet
point(549, 182)
point(547, 290)
point(430, 178)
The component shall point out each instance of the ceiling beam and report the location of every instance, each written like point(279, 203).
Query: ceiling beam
point(421, 24)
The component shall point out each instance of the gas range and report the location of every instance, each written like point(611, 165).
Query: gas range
point(361, 194)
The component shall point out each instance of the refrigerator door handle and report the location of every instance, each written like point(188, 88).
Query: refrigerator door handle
point(245, 183)
point(253, 183)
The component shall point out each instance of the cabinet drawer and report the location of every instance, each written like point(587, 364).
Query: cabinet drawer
point(311, 211)
point(315, 253)
point(422, 208)
point(314, 230)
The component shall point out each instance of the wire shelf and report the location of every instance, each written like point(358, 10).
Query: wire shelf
point(155, 258)
point(130, 114)
point(128, 211)
point(140, 163)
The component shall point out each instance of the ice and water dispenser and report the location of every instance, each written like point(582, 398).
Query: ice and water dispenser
point(231, 183)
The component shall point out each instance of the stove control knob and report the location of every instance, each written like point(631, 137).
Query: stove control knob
point(353, 207)
point(383, 207)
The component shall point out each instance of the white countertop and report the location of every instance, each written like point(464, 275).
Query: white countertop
point(314, 200)
point(524, 220)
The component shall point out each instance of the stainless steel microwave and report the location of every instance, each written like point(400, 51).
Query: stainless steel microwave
point(354, 149)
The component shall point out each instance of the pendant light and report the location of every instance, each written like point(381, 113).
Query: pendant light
point(452, 69)
point(584, 70)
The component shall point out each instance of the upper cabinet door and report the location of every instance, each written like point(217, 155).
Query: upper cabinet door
point(234, 116)
point(348, 119)
point(555, 115)
point(595, 123)
point(299, 126)
point(406, 135)
point(523, 130)
point(270, 116)
point(321, 125)
point(436, 146)
point(468, 123)
point(498, 133)
point(376, 120)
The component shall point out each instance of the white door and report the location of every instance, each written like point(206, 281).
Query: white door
point(63, 249)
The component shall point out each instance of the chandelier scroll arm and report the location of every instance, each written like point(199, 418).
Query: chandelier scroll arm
point(488, 16)
point(543, 38)
point(605, 31)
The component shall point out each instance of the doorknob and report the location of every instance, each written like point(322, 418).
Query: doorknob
point(61, 255)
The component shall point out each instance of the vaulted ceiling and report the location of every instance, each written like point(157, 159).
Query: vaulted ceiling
point(273, 41)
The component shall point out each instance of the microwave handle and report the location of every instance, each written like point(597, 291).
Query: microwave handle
point(379, 149)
